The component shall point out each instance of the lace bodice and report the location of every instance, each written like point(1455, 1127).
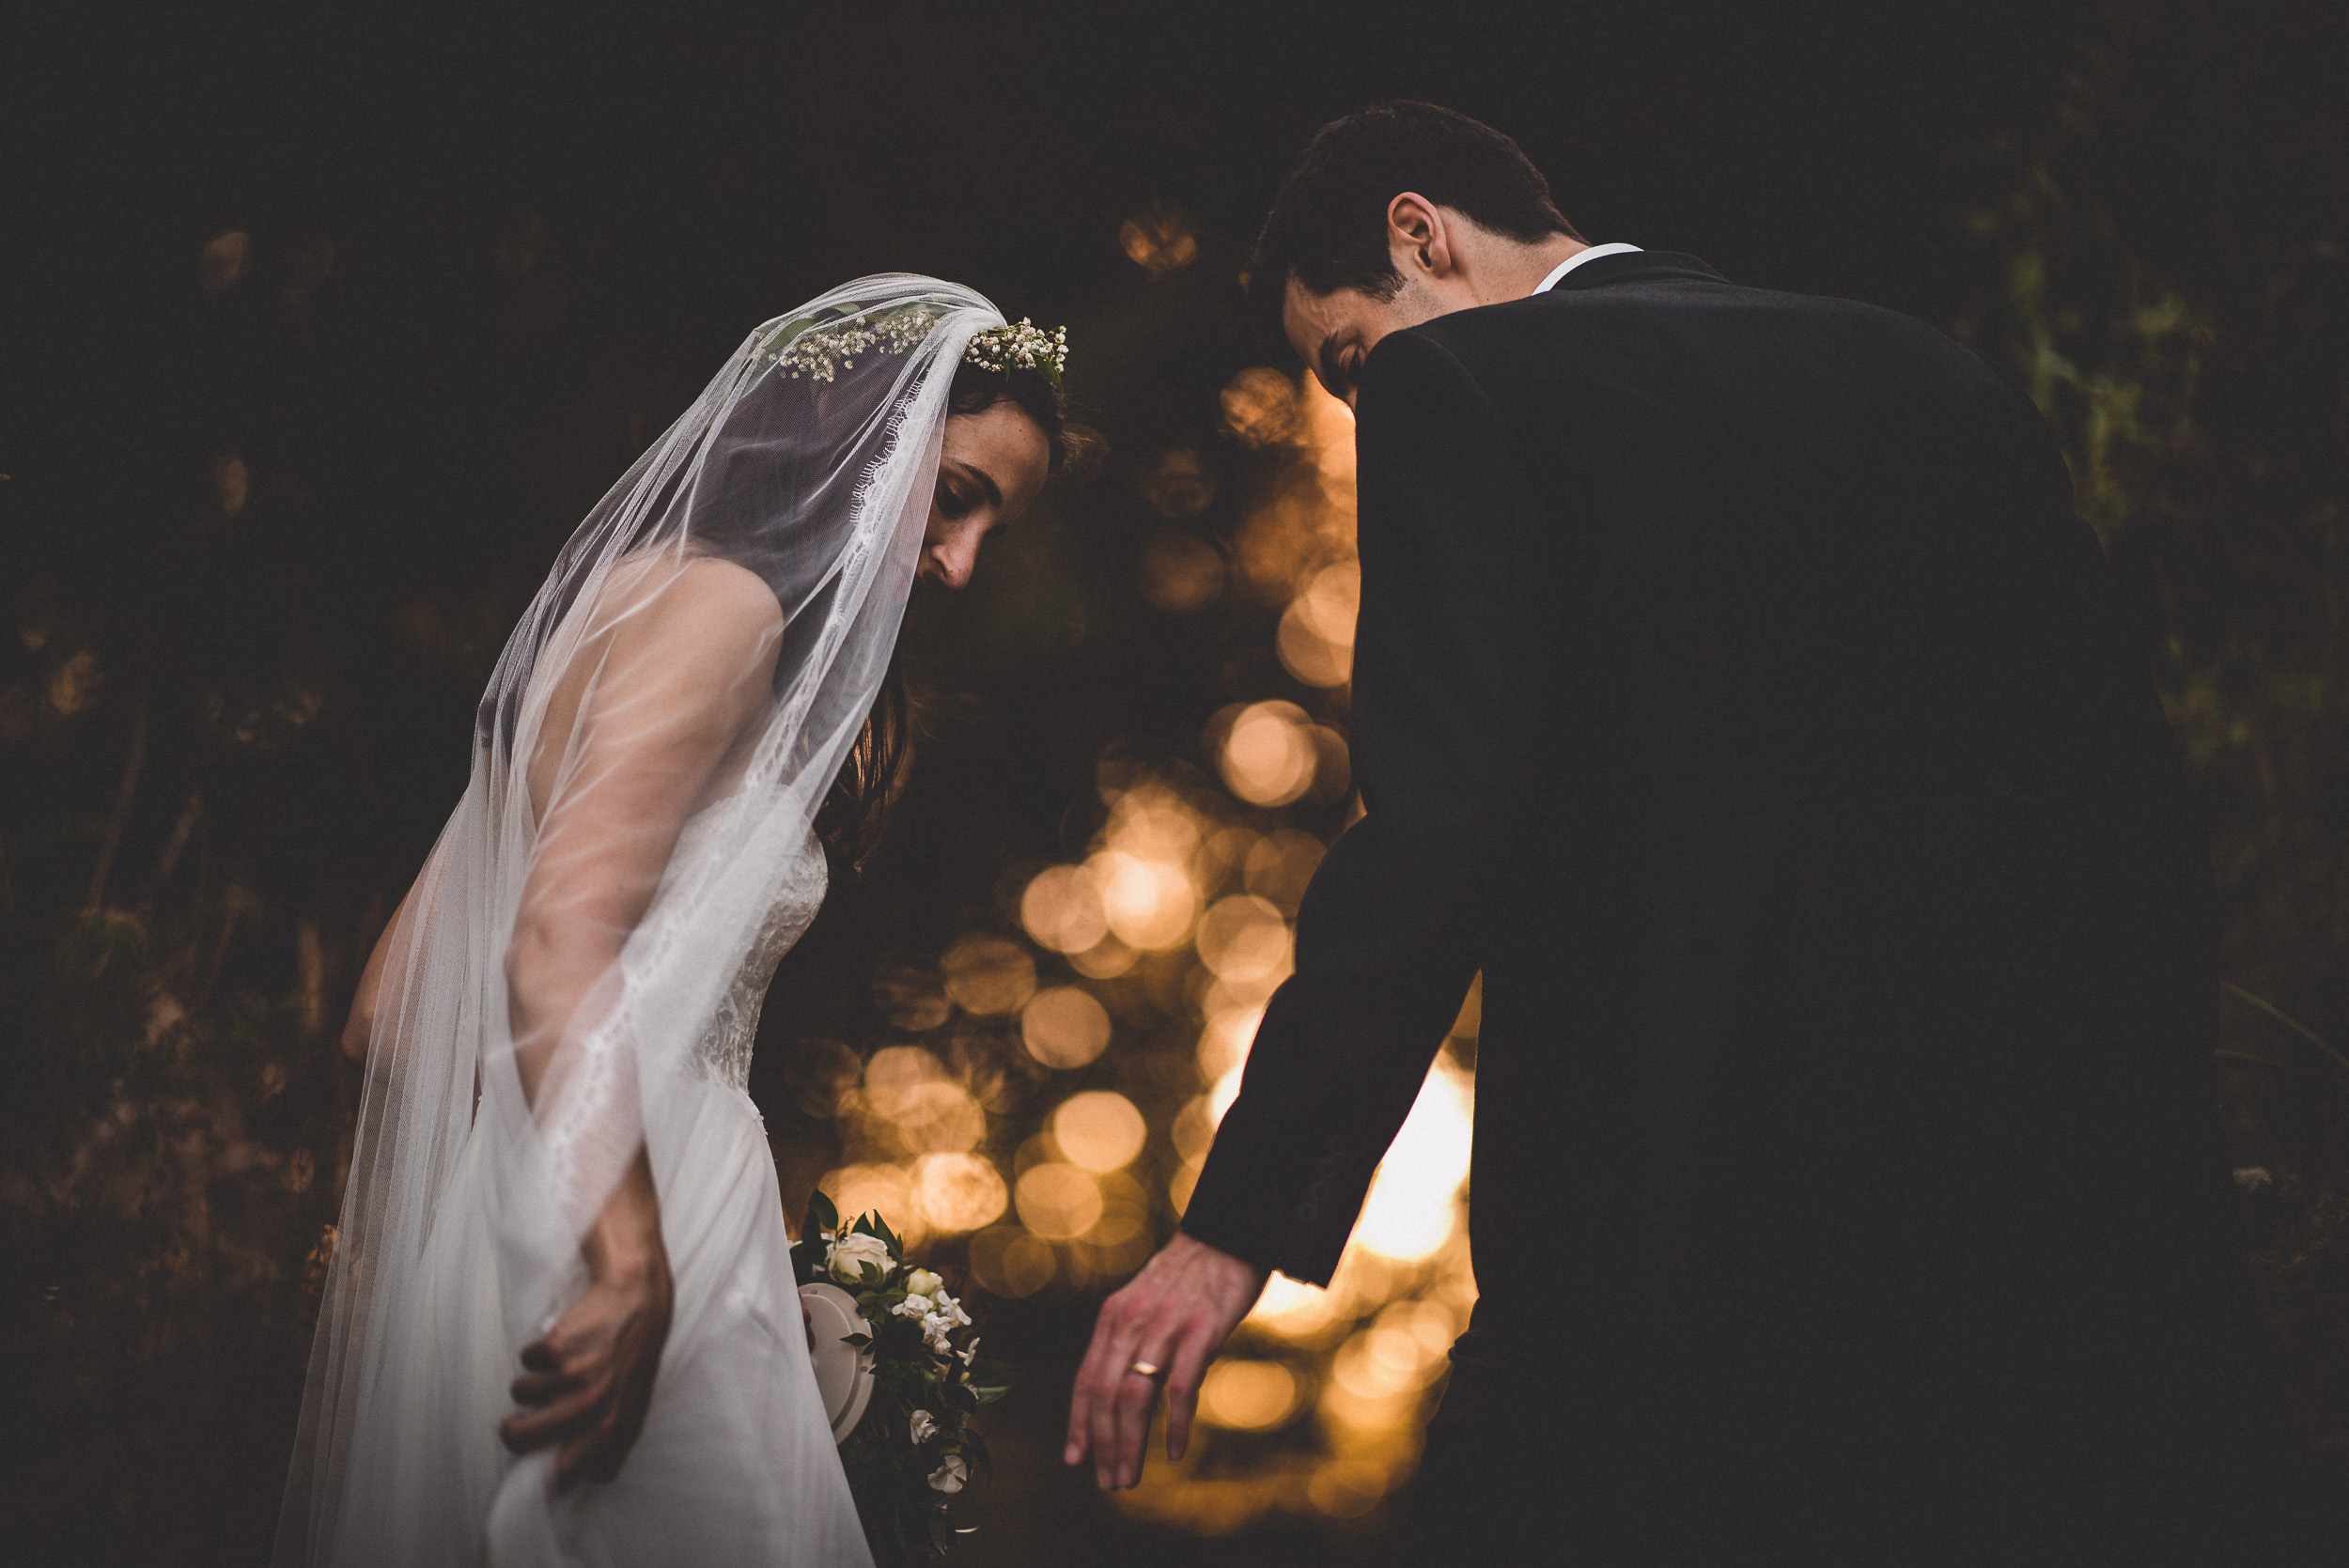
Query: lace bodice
point(722, 1055)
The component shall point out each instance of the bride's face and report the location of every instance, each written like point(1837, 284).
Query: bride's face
point(992, 464)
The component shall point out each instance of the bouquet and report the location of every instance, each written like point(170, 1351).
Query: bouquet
point(914, 1447)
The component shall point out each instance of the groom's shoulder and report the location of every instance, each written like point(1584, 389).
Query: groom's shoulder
point(1642, 315)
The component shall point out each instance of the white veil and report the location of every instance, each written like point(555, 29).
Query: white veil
point(706, 649)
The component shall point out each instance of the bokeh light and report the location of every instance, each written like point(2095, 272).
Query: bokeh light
point(1057, 1200)
point(1315, 640)
point(1098, 1130)
point(1181, 572)
point(1179, 485)
point(894, 1076)
point(1064, 1027)
point(940, 1117)
point(1243, 938)
point(1062, 909)
point(1278, 866)
point(884, 1190)
point(1010, 1262)
point(1346, 1488)
point(1268, 757)
point(1293, 1311)
point(1157, 239)
point(1105, 960)
point(909, 995)
point(232, 483)
point(1411, 1210)
point(1224, 1046)
point(1150, 903)
point(959, 1192)
point(222, 261)
point(1248, 1395)
point(1124, 1221)
point(1260, 409)
point(988, 975)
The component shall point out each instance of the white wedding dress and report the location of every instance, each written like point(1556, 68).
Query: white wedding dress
point(736, 1464)
point(721, 621)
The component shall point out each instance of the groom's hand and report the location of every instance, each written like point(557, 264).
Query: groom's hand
point(1173, 1316)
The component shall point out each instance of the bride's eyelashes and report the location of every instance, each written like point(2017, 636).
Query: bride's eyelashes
point(953, 502)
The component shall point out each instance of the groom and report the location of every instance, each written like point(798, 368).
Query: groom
point(1736, 690)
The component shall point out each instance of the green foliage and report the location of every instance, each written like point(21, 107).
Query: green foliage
point(2172, 266)
point(167, 1171)
point(2174, 288)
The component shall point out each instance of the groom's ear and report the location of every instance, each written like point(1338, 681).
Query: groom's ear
point(1418, 237)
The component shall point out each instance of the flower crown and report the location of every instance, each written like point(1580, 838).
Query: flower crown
point(820, 350)
point(1024, 347)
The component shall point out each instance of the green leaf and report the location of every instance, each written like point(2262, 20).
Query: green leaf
point(822, 1215)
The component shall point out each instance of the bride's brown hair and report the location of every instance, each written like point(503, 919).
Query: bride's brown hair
point(856, 811)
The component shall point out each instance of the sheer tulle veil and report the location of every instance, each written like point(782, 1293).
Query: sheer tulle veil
point(807, 462)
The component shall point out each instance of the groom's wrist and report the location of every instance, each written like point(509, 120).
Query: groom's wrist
point(1238, 1216)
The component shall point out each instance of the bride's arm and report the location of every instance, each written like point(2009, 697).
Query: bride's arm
point(674, 683)
point(359, 1029)
point(679, 676)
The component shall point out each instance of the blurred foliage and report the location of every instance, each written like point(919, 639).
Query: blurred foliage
point(2173, 287)
point(2175, 293)
point(168, 1167)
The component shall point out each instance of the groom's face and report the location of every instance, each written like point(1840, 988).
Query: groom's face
point(1334, 332)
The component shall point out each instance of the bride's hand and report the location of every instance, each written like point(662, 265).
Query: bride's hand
point(587, 1380)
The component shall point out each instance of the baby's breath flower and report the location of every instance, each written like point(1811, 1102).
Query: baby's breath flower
point(1024, 347)
point(819, 353)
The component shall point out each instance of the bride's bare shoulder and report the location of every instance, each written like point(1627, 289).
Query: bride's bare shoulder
point(664, 589)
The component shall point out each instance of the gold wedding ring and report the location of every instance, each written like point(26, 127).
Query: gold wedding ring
point(1146, 1368)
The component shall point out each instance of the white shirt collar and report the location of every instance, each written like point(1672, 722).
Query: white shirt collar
point(1570, 263)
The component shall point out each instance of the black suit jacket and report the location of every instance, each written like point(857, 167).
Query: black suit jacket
point(1736, 689)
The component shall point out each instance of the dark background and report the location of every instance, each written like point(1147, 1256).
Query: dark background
point(493, 251)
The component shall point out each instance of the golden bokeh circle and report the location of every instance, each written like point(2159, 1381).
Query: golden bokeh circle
point(959, 1192)
point(1063, 1026)
point(1058, 1200)
point(1098, 1130)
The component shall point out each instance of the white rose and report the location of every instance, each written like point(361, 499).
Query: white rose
point(922, 1283)
point(851, 1252)
point(925, 1427)
point(949, 1477)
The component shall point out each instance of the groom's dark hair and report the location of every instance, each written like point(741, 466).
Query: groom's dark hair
point(1328, 227)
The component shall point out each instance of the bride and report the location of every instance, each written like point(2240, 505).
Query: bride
point(562, 1327)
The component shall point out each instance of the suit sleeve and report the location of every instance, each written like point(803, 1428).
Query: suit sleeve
point(1391, 931)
